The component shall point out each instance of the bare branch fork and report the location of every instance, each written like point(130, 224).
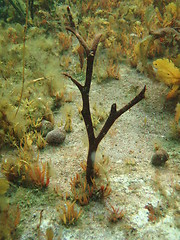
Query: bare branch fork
point(85, 89)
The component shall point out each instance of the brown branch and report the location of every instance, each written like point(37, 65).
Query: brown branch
point(90, 53)
point(80, 39)
point(72, 24)
point(74, 81)
point(90, 61)
point(86, 113)
point(95, 42)
point(114, 114)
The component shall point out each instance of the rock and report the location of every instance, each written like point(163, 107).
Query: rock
point(46, 126)
point(56, 136)
point(159, 158)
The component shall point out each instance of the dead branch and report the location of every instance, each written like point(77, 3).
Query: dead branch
point(85, 89)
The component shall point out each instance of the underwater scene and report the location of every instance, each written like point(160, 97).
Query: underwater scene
point(89, 119)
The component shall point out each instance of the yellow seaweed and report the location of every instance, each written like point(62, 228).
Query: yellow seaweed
point(168, 73)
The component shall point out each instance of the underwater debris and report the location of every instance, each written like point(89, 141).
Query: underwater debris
point(56, 136)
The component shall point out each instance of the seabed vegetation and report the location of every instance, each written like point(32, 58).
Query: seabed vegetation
point(89, 119)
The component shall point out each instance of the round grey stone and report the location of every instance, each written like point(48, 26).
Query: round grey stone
point(56, 136)
point(160, 157)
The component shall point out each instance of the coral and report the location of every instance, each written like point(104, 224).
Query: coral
point(115, 214)
point(138, 30)
point(13, 170)
point(167, 72)
point(25, 174)
point(39, 175)
point(68, 215)
point(102, 193)
point(113, 71)
point(141, 50)
point(170, 14)
point(81, 190)
point(84, 192)
point(96, 168)
point(25, 169)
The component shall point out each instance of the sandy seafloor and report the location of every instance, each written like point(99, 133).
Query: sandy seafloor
point(129, 145)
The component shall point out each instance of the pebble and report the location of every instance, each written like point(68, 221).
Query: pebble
point(56, 136)
point(159, 158)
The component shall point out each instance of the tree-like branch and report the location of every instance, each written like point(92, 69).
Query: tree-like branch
point(95, 42)
point(72, 24)
point(74, 81)
point(135, 100)
point(86, 113)
point(114, 114)
point(80, 39)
